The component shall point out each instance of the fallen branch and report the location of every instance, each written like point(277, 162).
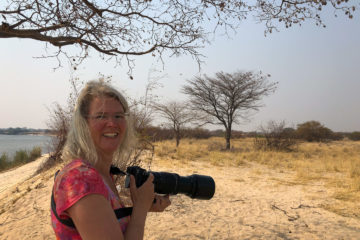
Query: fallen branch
point(290, 218)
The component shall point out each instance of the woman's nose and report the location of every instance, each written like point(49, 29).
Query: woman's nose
point(111, 121)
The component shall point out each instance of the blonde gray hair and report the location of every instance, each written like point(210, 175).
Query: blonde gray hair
point(79, 143)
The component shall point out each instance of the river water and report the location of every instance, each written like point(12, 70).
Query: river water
point(11, 143)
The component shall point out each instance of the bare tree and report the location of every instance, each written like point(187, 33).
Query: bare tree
point(124, 29)
point(59, 124)
point(276, 137)
point(227, 98)
point(142, 107)
point(177, 115)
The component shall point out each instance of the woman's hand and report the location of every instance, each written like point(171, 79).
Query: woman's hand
point(160, 203)
point(142, 199)
point(143, 196)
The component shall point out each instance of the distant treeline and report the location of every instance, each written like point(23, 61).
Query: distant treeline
point(23, 130)
point(306, 131)
point(158, 134)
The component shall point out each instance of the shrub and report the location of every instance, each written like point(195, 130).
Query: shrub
point(20, 157)
point(355, 136)
point(313, 131)
point(197, 133)
point(337, 136)
point(236, 134)
point(4, 161)
point(276, 137)
point(23, 156)
point(34, 154)
point(155, 134)
point(218, 133)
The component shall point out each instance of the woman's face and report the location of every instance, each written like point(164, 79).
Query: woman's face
point(107, 124)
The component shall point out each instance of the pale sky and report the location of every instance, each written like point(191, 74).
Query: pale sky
point(318, 70)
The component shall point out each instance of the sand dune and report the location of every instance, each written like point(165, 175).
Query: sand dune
point(251, 202)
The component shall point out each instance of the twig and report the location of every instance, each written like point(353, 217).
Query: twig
point(303, 206)
point(290, 218)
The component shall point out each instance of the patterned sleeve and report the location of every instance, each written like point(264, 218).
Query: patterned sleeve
point(75, 184)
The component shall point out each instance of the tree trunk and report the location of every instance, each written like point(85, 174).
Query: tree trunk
point(177, 141)
point(227, 138)
point(177, 137)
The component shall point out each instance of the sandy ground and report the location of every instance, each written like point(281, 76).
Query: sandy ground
point(251, 202)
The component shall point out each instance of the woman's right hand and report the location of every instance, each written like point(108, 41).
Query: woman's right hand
point(143, 196)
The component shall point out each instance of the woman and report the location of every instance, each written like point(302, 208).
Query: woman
point(84, 191)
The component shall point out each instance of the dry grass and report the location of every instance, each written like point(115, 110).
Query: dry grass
point(210, 150)
point(336, 165)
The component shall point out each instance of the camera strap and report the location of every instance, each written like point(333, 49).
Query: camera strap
point(120, 212)
point(116, 171)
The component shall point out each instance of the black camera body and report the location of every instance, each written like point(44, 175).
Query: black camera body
point(194, 186)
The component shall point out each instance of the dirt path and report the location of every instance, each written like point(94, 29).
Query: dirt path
point(251, 202)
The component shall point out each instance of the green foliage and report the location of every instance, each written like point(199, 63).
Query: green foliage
point(35, 153)
point(21, 157)
point(355, 136)
point(156, 134)
point(196, 133)
point(4, 160)
point(313, 131)
point(20, 131)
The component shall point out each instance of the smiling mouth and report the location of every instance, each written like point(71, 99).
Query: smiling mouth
point(110, 135)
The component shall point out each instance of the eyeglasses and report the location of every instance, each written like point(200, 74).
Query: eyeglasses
point(118, 117)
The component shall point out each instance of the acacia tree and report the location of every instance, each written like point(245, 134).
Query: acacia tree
point(313, 131)
point(227, 98)
point(124, 29)
point(176, 115)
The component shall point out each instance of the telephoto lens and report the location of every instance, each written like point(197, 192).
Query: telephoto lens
point(195, 186)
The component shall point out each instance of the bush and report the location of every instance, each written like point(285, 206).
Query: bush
point(197, 133)
point(35, 154)
point(276, 137)
point(218, 133)
point(155, 134)
point(4, 161)
point(336, 136)
point(20, 157)
point(313, 131)
point(355, 136)
point(23, 156)
point(237, 134)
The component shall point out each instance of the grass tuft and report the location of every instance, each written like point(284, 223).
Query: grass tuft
point(21, 157)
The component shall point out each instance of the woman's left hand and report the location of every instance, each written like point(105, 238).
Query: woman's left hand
point(160, 203)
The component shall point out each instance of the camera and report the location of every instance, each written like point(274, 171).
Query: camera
point(194, 186)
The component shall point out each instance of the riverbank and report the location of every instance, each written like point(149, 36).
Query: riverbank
point(12, 177)
point(19, 149)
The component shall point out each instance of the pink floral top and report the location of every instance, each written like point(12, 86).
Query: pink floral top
point(75, 181)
